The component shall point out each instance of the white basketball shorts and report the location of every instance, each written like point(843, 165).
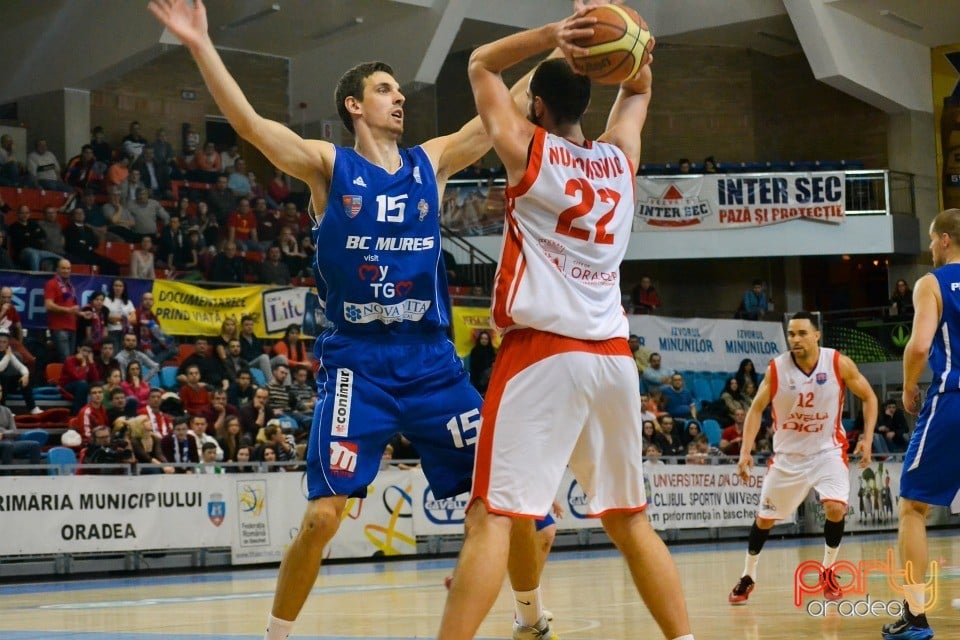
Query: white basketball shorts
point(791, 476)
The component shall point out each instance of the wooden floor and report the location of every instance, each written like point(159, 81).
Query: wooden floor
point(589, 592)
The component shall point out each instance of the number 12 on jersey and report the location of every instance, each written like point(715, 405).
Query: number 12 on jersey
point(588, 198)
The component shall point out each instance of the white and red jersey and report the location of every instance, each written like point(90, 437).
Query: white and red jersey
point(568, 223)
point(807, 407)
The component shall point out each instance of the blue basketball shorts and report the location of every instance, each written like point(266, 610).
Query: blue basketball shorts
point(930, 471)
point(371, 389)
point(545, 522)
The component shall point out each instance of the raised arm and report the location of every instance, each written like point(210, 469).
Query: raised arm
point(309, 160)
point(629, 113)
point(508, 129)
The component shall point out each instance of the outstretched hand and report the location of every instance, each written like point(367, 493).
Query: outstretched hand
point(188, 23)
point(566, 32)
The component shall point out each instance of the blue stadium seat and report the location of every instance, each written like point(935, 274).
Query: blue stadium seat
point(258, 378)
point(39, 436)
point(168, 378)
point(701, 389)
point(848, 424)
point(64, 457)
point(711, 429)
point(718, 380)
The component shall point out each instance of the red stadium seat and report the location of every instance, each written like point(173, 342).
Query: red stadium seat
point(119, 252)
point(10, 196)
point(29, 197)
point(85, 269)
point(52, 199)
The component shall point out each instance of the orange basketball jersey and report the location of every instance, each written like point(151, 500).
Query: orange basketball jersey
point(568, 223)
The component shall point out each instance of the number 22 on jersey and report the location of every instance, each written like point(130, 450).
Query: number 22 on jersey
point(588, 198)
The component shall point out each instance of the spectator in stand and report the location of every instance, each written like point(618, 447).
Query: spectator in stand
point(281, 400)
point(130, 353)
point(155, 174)
point(273, 270)
point(192, 257)
point(83, 171)
point(209, 454)
point(228, 266)
point(146, 212)
point(94, 329)
point(14, 375)
point(201, 431)
point(92, 414)
point(255, 415)
point(672, 444)
point(644, 297)
point(207, 225)
point(655, 375)
point(53, 240)
point(683, 166)
point(238, 182)
point(171, 245)
point(648, 410)
point(120, 219)
point(117, 174)
point(193, 393)
point(114, 397)
point(252, 348)
point(221, 200)
point(295, 218)
point(179, 447)
point(80, 242)
point(230, 438)
point(892, 427)
point(27, 240)
point(162, 424)
point(679, 400)
point(104, 448)
point(641, 355)
point(162, 149)
point(121, 314)
point(145, 445)
point(210, 367)
point(10, 321)
point(151, 340)
point(233, 364)
point(134, 384)
point(228, 331)
point(653, 436)
point(217, 412)
point(188, 161)
point(732, 436)
point(293, 255)
point(101, 148)
point(228, 157)
point(304, 392)
point(710, 165)
point(141, 260)
point(754, 303)
point(901, 302)
point(43, 165)
point(10, 446)
point(278, 189)
point(242, 227)
point(12, 173)
point(256, 189)
point(746, 371)
point(128, 188)
point(93, 214)
point(292, 349)
point(482, 357)
point(269, 223)
point(240, 393)
point(207, 165)
point(732, 397)
point(273, 438)
point(134, 143)
point(60, 300)
point(106, 361)
point(749, 390)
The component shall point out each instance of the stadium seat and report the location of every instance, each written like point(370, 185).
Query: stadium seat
point(37, 435)
point(848, 424)
point(711, 429)
point(700, 387)
point(168, 378)
point(186, 350)
point(65, 460)
point(718, 380)
point(52, 199)
point(85, 269)
point(119, 252)
point(258, 377)
point(29, 197)
point(52, 372)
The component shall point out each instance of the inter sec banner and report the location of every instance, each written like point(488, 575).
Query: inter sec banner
point(88, 513)
point(731, 201)
point(702, 344)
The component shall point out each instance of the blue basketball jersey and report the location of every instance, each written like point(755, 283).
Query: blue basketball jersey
point(378, 266)
point(945, 350)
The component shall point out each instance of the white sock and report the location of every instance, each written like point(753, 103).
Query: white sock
point(750, 566)
point(916, 598)
point(689, 636)
point(277, 629)
point(830, 555)
point(529, 606)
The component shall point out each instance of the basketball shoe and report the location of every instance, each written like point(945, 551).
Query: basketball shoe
point(540, 631)
point(831, 590)
point(742, 591)
point(908, 627)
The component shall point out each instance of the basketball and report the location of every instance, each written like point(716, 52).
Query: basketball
point(620, 45)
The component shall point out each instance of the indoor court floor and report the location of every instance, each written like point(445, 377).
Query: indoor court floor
point(589, 592)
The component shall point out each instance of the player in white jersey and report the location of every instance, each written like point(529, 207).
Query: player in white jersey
point(807, 387)
point(565, 386)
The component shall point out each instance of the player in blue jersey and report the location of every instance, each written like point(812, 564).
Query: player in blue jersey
point(930, 475)
point(386, 365)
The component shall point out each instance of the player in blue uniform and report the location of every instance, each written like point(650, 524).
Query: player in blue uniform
point(930, 475)
point(386, 364)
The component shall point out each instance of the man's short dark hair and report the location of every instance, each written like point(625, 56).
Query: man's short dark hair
point(207, 446)
point(806, 315)
point(565, 93)
point(351, 85)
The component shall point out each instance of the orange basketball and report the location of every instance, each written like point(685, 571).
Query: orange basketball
point(620, 45)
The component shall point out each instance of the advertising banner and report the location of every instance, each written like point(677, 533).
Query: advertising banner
point(185, 309)
point(731, 201)
point(28, 292)
point(284, 307)
point(468, 322)
point(873, 502)
point(702, 344)
point(84, 514)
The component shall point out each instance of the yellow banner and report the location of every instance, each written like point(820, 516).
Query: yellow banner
point(945, 68)
point(468, 322)
point(184, 309)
